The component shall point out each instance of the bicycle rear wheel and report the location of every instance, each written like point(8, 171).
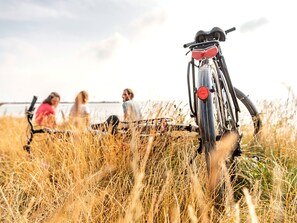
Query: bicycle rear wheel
point(215, 120)
point(205, 114)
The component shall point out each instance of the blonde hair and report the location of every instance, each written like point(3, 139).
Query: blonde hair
point(76, 117)
point(81, 98)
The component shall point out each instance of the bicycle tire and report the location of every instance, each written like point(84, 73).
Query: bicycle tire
point(255, 115)
point(205, 114)
point(205, 117)
point(210, 128)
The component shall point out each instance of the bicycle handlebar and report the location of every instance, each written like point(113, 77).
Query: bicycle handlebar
point(230, 30)
point(31, 108)
point(186, 45)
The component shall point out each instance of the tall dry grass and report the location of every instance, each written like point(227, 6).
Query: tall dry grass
point(100, 178)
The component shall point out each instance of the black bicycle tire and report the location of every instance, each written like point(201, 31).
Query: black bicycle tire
point(255, 115)
point(205, 116)
point(207, 128)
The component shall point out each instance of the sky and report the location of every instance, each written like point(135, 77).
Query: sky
point(104, 46)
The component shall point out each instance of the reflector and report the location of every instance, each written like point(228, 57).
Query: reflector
point(202, 93)
point(207, 53)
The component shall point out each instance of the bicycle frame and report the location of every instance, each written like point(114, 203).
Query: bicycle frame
point(213, 103)
point(204, 52)
point(146, 126)
point(29, 114)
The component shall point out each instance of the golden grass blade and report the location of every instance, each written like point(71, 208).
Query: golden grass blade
point(252, 212)
point(218, 158)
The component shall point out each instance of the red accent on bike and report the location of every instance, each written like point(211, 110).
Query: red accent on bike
point(202, 93)
point(208, 53)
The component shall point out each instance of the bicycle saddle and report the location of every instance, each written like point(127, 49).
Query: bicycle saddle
point(215, 33)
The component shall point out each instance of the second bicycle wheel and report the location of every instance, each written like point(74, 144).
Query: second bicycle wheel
point(247, 107)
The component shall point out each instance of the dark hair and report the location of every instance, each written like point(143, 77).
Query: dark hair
point(48, 100)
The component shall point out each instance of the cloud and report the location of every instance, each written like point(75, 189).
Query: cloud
point(152, 19)
point(155, 17)
point(104, 49)
point(107, 48)
point(25, 11)
point(15, 45)
point(253, 24)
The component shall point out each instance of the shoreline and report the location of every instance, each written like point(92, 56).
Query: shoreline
point(62, 102)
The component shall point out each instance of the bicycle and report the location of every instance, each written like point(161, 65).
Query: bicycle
point(32, 130)
point(214, 102)
point(146, 127)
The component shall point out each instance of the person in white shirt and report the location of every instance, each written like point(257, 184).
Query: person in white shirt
point(131, 109)
point(131, 113)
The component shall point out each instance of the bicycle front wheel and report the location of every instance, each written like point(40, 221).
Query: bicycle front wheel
point(252, 110)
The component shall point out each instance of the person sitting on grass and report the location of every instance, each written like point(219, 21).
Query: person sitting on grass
point(45, 115)
point(131, 112)
point(80, 112)
point(130, 108)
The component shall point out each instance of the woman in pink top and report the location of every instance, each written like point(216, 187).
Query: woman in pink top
point(45, 115)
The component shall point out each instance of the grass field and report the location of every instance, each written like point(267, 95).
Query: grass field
point(100, 178)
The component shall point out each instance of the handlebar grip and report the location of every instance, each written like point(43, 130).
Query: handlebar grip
point(188, 44)
point(31, 108)
point(230, 30)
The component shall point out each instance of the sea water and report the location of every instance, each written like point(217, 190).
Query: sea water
point(99, 111)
